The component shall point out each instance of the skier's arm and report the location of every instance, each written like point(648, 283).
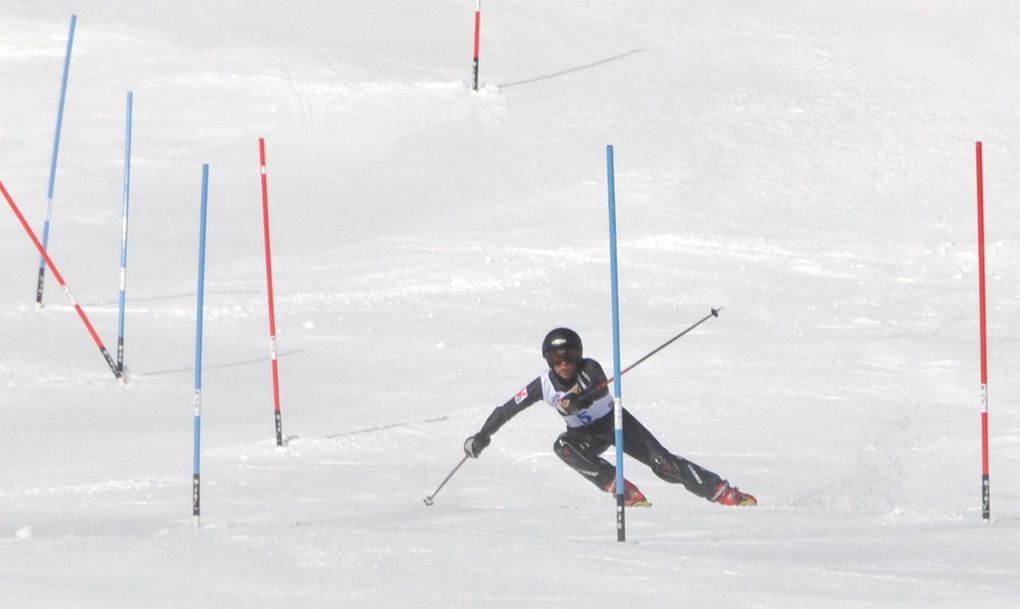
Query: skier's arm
point(501, 414)
point(596, 385)
point(475, 444)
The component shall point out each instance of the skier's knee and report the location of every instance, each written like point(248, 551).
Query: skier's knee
point(665, 468)
point(563, 449)
point(569, 449)
point(576, 453)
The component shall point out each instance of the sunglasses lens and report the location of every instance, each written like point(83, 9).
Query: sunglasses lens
point(557, 357)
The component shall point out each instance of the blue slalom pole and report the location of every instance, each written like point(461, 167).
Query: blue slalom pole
point(123, 238)
point(53, 162)
point(621, 529)
point(196, 485)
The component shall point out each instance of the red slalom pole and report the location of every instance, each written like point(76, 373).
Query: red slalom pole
point(60, 280)
point(478, 25)
point(985, 488)
point(269, 289)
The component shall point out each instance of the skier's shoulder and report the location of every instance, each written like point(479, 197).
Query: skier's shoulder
point(530, 393)
point(591, 368)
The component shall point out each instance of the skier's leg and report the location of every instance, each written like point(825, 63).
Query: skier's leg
point(639, 443)
point(580, 449)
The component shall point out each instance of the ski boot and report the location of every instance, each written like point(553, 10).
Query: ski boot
point(731, 495)
point(632, 497)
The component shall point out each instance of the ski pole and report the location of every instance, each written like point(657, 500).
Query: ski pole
point(605, 383)
point(714, 313)
point(428, 500)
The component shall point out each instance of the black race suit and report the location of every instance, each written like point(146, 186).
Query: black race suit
point(591, 431)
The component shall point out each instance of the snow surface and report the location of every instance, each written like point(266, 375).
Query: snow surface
point(807, 165)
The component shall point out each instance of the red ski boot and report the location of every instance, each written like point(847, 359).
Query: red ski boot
point(731, 495)
point(632, 497)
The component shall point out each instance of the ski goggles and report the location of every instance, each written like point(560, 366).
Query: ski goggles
point(558, 356)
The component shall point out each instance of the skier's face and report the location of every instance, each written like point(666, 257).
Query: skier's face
point(563, 362)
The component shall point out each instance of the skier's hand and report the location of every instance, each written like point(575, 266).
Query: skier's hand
point(572, 403)
point(568, 404)
point(474, 445)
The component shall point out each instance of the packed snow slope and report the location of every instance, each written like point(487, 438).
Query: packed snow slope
point(807, 166)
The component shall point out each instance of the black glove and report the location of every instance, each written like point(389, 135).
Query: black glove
point(474, 445)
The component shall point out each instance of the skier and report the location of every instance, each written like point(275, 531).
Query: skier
point(577, 387)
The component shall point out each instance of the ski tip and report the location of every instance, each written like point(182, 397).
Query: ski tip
point(427, 501)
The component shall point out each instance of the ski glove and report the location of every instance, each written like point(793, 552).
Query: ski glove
point(571, 403)
point(474, 445)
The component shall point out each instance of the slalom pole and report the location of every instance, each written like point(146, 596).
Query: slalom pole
point(269, 289)
point(60, 281)
point(124, 237)
point(985, 488)
point(53, 163)
point(478, 26)
point(621, 528)
point(430, 498)
point(196, 480)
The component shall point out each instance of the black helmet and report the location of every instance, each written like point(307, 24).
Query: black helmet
point(563, 338)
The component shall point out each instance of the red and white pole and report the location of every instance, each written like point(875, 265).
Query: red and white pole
point(478, 25)
point(269, 289)
point(985, 491)
point(60, 279)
